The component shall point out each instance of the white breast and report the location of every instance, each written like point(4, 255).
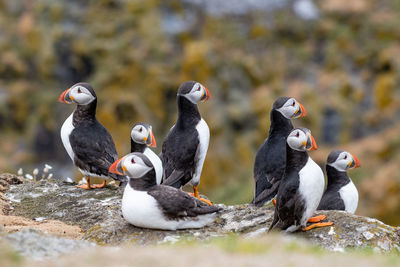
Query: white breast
point(311, 188)
point(141, 210)
point(349, 194)
point(156, 161)
point(66, 131)
point(204, 139)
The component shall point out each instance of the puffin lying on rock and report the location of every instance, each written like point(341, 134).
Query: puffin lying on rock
point(185, 147)
point(270, 161)
point(341, 193)
point(148, 205)
point(141, 139)
point(301, 187)
point(87, 142)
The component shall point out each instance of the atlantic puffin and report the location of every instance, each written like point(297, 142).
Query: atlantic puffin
point(301, 187)
point(270, 162)
point(142, 138)
point(87, 142)
point(341, 193)
point(148, 205)
point(185, 146)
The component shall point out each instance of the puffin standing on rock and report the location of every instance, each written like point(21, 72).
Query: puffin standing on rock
point(88, 143)
point(141, 139)
point(185, 147)
point(148, 205)
point(301, 187)
point(270, 161)
point(341, 193)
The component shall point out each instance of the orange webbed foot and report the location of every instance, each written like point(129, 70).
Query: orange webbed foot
point(274, 201)
point(206, 201)
point(317, 225)
point(84, 186)
point(317, 219)
point(100, 185)
point(202, 199)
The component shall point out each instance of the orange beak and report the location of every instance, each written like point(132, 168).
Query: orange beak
point(303, 111)
point(357, 162)
point(116, 167)
point(313, 143)
point(64, 97)
point(153, 140)
point(207, 93)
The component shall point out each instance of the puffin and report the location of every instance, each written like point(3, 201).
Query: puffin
point(340, 193)
point(270, 161)
point(87, 142)
point(141, 139)
point(301, 187)
point(185, 146)
point(149, 205)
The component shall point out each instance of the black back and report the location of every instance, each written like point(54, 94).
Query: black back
point(180, 146)
point(92, 144)
point(289, 203)
point(270, 161)
point(331, 199)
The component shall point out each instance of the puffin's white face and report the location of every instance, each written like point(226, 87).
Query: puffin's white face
point(134, 166)
point(78, 94)
point(198, 93)
point(301, 140)
point(140, 134)
point(292, 109)
point(131, 165)
point(345, 161)
point(81, 95)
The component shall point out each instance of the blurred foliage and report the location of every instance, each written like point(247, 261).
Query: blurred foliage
point(343, 66)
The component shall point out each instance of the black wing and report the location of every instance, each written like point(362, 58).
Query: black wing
point(178, 156)
point(331, 200)
point(178, 204)
point(269, 168)
point(94, 149)
point(290, 205)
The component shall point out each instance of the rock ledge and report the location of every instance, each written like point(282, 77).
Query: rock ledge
point(98, 214)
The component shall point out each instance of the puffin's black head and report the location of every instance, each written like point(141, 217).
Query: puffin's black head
point(342, 160)
point(134, 165)
point(300, 139)
point(289, 107)
point(142, 133)
point(80, 93)
point(194, 92)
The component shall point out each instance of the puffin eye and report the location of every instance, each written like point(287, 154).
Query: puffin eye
point(293, 104)
point(297, 134)
point(79, 90)
point(133, 161)
point(345, 157)
point(140, 130)
point(198, 89)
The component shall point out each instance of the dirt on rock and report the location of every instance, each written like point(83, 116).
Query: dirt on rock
point(11, 224)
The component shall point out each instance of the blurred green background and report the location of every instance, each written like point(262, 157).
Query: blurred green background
point(340, 59)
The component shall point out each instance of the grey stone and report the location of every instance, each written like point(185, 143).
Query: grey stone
point(35, 245)
point(98, 213)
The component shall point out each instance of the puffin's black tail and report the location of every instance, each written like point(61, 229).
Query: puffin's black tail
point(266, 195)
point(204, 209)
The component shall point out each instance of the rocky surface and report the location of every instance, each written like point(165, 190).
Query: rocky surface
point(97, 213)
point(36, 245)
